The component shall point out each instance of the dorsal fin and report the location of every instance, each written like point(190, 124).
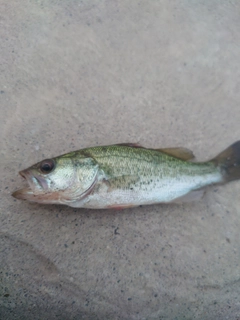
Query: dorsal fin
point(180, 153)
point(132, 145)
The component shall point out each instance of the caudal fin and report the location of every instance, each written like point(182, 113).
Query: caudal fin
point(229, 162)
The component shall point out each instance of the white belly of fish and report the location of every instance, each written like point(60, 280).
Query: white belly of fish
point(159, 191)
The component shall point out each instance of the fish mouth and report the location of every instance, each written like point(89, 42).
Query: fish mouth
point(37, 191)
point(36, 187)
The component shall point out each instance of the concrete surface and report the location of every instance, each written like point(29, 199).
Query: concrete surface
point(83, 73)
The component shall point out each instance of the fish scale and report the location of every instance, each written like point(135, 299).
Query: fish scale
point(138, 176)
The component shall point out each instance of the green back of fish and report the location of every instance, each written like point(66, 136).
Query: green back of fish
point(120, 160)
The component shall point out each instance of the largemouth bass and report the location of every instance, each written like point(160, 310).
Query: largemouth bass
point(126, 175)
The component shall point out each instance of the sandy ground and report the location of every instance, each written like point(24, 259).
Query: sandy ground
point(82, 73)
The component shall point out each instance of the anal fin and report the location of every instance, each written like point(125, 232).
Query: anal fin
point(192, 196)
point(121, 206)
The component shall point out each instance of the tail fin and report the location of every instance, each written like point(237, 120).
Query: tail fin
point(229, 162)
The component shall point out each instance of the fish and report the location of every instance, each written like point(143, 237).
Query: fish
point(126, 175)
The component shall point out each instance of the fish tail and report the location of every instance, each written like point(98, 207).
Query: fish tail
point(229, 162)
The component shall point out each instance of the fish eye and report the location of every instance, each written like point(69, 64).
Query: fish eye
point(47, 166)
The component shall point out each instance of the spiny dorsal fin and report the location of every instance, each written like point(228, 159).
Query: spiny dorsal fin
point(132, 145)
point(180, 153)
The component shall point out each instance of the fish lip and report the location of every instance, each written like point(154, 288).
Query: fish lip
point(25, 174)
point(22, 193)
point(22, 174)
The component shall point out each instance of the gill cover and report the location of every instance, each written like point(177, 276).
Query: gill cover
point(86, 178)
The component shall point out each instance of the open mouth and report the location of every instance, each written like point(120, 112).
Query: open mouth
point(37, 191)
point(34, 184)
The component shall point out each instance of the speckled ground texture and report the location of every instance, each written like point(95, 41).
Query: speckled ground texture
point(82, 73)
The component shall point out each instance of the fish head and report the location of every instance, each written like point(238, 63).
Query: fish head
point(60, 180)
